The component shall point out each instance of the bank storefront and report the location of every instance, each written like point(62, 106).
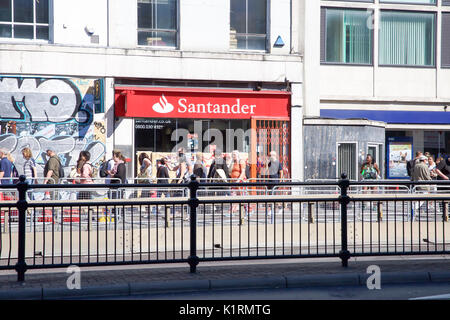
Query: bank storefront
point(202, 120)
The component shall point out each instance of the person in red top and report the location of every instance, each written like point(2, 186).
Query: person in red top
point(237, 167)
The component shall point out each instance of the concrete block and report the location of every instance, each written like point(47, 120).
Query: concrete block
point(162, 286)
point(322, 280)
point(268, 282)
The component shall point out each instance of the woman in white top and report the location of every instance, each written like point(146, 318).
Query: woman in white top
point(145, 166)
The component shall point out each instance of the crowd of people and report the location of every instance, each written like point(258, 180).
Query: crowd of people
point(223, 168)
point(425, 167)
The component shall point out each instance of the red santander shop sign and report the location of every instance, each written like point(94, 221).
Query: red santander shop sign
point(134, 102)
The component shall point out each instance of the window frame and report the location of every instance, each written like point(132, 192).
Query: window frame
point(379, 156)
point(372, 33)
point(33, 24)
point(434, 65)
point(267, 41)
point(442, 65)
point(177, 31)
point(381, 2)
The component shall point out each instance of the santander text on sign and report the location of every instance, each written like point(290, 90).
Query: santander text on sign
point(202, 104)
point(224, 109)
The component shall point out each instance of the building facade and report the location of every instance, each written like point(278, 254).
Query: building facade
point(152, 76)
point(382, 72)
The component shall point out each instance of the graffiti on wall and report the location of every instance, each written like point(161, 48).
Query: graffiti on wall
point(49, 113)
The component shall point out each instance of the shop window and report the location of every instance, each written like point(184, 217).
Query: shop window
point(345, 36)
point(157, 23)
point(347, 160)
point(24, 19)
point(166, 135)
point(248, 24)
point(407, 38)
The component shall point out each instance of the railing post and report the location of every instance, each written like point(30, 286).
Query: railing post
point(22, 206)
point(344, 199)
point(444, 211)
point(193, 204)
point(379, 211)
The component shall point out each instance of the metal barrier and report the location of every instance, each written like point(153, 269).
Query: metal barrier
point(192, 228)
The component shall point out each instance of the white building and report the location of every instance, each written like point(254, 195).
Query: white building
point(87, 75)
point(383, 70)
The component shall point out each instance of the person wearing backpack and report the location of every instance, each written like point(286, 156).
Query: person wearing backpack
point(218, 171)
point(53, 168)
point(86, 172)
point(106, 167)
point(6, 168)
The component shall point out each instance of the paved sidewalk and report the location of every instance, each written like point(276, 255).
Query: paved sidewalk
point(141, 279)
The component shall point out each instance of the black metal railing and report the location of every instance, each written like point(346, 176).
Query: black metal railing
point(158, 223)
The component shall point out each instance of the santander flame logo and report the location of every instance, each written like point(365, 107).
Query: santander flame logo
point(163, 106)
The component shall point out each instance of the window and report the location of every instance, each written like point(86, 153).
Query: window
point(157, 23)
point(248, 24)
point(347, 161)
point(410, 1)
point(346, 37)
point(445, 41)
point(407, 38)
point(24, 19)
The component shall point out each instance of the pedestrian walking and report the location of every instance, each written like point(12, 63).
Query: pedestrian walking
point(118, 174)
point(199, 166)
point(183, 168)
point(274, 173)
point(6, 168)
point(411, 163)
point(369, 169)
point(432, 167)
point(369, 172)
point(218, 171)
point(421, 173)
point(274, 169)
point(162, 175)
point(86, 172)
point(52, 169)
point(29, 166)
point(144, 175)
point(119, 170)
point(145, 169)
point(106, 167)
point(237, 169)
point(442, 170)
point(52, 172)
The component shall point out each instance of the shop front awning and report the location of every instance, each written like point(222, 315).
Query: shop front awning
point(157, 102)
